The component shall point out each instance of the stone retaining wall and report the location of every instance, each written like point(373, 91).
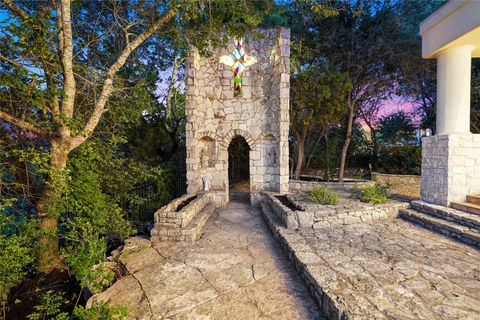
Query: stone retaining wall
point(318, 216)
point(290, 219)
point(364, 212)
point(300, 255)
point(306, 186)
point(402, 185)
point(171, 225)
point(167, 216)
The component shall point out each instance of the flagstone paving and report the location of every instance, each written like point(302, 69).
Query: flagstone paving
point(387, 269)
point(236, 270)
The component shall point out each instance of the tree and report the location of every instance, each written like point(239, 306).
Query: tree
point(318, 101)
point(60, 124)
point(475, 106)
point(369, 113)
point(61, 62)
point(396, 128)
point(417, 76)
point(368, 40)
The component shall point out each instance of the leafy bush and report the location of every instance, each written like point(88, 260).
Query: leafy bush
point(17, 232)
point(101, 311)
point(323, 195)
point(400, 160)
point(50, 307)
point(374, 194)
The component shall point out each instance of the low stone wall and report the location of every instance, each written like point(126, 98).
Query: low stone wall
point(306, 186)
point(171, 225)
point(363, 212)
point(289, 218)
point(402, 185)
point(300, 254)
point(318, 216)
point(168, 217)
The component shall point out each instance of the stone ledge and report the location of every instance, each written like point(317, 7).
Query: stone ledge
point(446, 228)
point(292, 243)
point(303, 186)
point(449, 214)
point(329, 215)
point(186, 224)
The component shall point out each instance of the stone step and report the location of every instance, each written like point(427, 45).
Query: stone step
point(464, 218)
point(473, 199)
point(195, 229)
point(447, 228)
point(466, 206)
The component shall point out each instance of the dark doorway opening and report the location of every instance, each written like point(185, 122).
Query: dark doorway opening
point(239, 165)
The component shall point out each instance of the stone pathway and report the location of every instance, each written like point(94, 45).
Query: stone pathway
point(388, 269)
point(236, 270)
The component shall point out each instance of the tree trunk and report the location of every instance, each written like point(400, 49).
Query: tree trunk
point(346, 143)
point(48, 257)
point(326, 175)
point(301, 157)
point(376, 149)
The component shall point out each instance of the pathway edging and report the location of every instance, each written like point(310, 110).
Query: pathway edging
point(299, 255)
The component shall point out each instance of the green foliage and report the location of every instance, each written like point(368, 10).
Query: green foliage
point(50, 307)
point(83, 256)
point(318, 97)
point(90, 216)
point(16, 250)
point(374, 194)
point(400, 160)
point(475, 104)
point(14, 257)
point(318, 103)
point(396, 128)
point(101, 311)
point(324, 195)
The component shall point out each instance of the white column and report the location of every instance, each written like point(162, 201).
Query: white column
point(453, 90)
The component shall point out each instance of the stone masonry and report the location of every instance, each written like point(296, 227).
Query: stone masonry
point(450, 167)
point(173, 223)
point(315, 216)
point(260, 114)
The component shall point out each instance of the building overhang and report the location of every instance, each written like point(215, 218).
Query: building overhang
point(455, 24)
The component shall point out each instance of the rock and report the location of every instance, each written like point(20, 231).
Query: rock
point(125, 292)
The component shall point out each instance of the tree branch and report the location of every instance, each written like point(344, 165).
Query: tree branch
point(17, 10)
point(24, 125)
point(66, 42)
point(16, 64)
point(107, 88)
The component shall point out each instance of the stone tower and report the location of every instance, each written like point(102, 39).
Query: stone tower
point(260, 114)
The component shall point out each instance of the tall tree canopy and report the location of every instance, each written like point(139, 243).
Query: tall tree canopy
point(63, 62)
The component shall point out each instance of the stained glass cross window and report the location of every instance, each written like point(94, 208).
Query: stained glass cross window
point(238, 60)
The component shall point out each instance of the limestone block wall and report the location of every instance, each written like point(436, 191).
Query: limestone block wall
point(260, 114)
point(307, 186)
point(450, 167)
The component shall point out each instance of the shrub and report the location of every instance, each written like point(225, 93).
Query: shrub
point(374, 194)
point(400, 160)
point(50, 307)
point(323, 195)
point(101, 311)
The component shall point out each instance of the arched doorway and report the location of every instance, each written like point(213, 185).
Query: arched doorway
point(238, 167)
